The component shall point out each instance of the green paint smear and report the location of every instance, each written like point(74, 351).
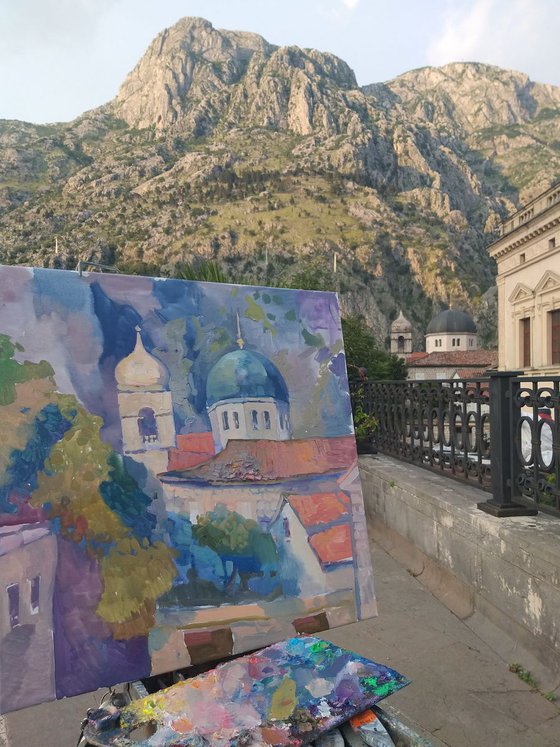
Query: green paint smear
point(266, 298)
point(254, 311)
point(290, 315)
point(277, 299)
point(314, 340)
point(272, 317)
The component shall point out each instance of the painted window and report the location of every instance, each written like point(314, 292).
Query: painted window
point(13, 604)
point(35, 594)
point(147, 426)
point(255, 419)
point(281, 422)
point(225, 420)
point(236, 420)
point(286, 526)
point(266, 416)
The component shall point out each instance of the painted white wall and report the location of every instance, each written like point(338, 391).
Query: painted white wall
point(242, 425)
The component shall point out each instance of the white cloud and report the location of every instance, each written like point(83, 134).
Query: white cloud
point(351, 4)
point(517, 34)
point(27, 24)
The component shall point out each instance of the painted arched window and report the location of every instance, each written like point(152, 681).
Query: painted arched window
point(266, 416)
point(147, 426)
point(255, 419)
point(225, 420)
point(235, 419)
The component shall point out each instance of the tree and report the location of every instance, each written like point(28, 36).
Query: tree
point(363, 352)
point(244, 548)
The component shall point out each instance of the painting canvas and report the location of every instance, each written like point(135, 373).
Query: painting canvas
point(287, 694)
point(178, 477)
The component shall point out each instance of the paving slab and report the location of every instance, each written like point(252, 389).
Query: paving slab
point(462, 692)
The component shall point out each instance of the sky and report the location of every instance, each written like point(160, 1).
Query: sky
point(59, 58)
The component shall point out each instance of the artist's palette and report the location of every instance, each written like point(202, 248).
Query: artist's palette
point(286, 694)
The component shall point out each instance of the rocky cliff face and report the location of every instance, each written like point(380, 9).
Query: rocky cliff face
point(272, 160)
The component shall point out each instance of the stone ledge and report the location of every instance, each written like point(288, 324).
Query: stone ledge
point(505, 572)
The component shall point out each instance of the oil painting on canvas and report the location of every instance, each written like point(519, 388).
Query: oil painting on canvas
point(178, 477)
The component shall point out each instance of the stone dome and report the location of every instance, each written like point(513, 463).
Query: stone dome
point(242, 374)
point(452, 321)
point(401, 324)
point(140, 370)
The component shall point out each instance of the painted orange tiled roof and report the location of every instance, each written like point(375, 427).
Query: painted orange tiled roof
point(192, 449)
point(320, 508)
point(268, 461)
point(334, 545)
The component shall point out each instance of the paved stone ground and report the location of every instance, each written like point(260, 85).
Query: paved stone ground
point(462, 692)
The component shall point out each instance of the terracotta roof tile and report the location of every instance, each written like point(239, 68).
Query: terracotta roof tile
point(269, 461)
point(462, 358)
point(320, 508)
point(334, 545)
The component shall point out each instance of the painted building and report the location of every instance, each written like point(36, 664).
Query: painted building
point(247, 398)
point(313, 536)
point(528, 258)
point(27, 572)
point(145, 408)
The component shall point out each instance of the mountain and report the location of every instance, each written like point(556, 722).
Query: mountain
point(272, 159)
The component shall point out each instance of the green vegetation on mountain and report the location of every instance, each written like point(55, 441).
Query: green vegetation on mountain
point(271, 161)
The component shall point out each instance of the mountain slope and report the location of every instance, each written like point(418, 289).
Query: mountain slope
point(271, 159)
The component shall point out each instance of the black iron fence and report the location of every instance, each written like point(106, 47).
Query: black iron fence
point(499, 433)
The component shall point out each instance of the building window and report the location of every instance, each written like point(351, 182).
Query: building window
point(471, 342)
point(236, 420)
point(554, 336)
point(266, 416)
point(526, 342)
point(552, 243)
point(13, 604)
point(147, 426)
point(400, 344)
point(453, 342)
point(225, 420)
point(255, 420)
point(522, 259)
point(35, 593)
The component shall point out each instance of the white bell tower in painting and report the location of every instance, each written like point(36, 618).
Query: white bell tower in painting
point(145, 407)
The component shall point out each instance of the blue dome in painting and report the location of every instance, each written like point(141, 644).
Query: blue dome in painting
point(242, 374)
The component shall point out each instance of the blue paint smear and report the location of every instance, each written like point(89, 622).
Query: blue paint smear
point(49, 427)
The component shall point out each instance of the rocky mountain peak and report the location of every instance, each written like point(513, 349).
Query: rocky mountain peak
point(471, 96)
point(192, 75)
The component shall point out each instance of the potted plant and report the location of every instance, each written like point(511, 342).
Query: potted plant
point(364, 426)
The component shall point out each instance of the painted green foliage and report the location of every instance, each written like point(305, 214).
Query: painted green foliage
point(81, 484)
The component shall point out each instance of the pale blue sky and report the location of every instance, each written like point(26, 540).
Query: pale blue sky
point(61, 57)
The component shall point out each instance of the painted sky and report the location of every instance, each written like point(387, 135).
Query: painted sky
point(59, 58)
point(84, 326)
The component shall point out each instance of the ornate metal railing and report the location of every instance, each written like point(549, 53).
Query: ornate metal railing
point(491, 432)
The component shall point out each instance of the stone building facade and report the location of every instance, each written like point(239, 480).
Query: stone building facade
point(528, 258)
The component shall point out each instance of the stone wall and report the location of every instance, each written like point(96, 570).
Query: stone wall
point(501, 576)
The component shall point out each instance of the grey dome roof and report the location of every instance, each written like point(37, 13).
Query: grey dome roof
point(451, 321)
point(244, 373)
